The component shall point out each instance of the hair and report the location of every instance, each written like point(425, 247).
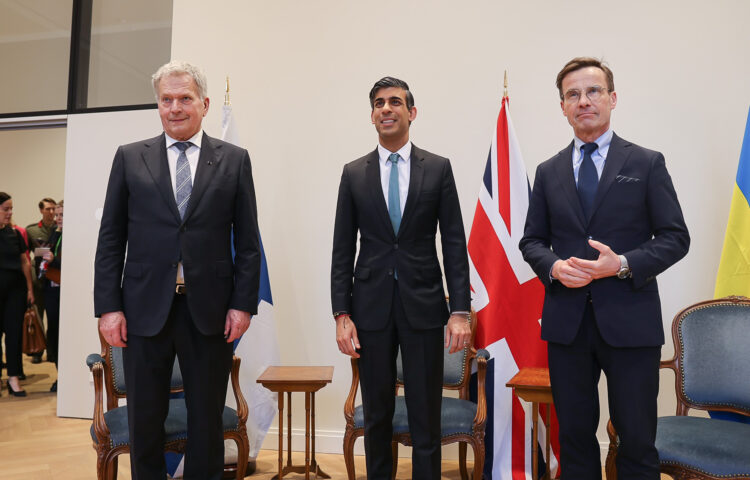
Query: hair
point(4, 197)
point(47, 200)
point(583, 62)
point(177, 67)
point(61, 203)
point(387, 82)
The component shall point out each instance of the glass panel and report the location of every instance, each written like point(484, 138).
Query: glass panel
point(129, 41)
point(34, 54)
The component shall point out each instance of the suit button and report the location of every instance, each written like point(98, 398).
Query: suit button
point(174, 265)
point(395, 246)
point(390, 271)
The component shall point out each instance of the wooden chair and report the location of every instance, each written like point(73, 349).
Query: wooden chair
point(462, 420)
point(711, 364)
point(109, 429)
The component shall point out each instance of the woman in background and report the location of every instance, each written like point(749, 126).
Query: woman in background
point(52, 260)
point(15, 292)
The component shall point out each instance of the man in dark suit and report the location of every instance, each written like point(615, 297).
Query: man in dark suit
point(394, 296)
point(173, 203)
point(603, 221)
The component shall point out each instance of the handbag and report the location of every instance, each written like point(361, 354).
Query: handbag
point(33, 332)
point(52, 274)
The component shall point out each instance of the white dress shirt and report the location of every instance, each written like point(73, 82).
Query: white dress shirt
point(404, 172)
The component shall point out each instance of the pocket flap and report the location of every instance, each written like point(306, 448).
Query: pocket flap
point(362, 273)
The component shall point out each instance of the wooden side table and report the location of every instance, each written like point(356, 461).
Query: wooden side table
point(297, 379)
point(532, 385)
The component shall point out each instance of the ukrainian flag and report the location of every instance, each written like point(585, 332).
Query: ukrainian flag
point(733, 277)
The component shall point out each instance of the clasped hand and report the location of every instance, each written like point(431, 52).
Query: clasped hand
point(576, 272)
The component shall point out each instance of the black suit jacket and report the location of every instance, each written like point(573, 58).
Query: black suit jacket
point(141, 218)
point(366, 290)
point(636, 213)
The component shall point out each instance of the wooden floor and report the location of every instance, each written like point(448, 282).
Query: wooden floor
point(37, 445)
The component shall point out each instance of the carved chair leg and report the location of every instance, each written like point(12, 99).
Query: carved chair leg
point(113, 468)
point(243, 451)
point(478, 450)
point(462, 460)
point(349, 439)
point(394, 456)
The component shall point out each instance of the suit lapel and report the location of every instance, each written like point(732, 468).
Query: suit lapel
point(155, 158)
point(616, 158)
point(564, 171)
point(376, 189)
point(208, 163)
point(416, 176)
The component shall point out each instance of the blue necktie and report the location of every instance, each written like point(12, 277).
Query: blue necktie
point(588, 179)
point(394, 201)
point(184, 181)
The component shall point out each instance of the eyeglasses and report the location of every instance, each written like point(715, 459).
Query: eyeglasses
point(593, 93)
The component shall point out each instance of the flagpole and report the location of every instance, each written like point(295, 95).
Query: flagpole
point(226, 91)
point(505, 85)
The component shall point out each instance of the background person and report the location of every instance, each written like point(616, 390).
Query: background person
point(15, 292)
point(53, 260)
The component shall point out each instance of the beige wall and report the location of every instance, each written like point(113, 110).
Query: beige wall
point(301, 71)
point(32, 166)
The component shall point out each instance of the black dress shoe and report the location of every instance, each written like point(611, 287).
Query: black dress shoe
point(53, 388)
point(36, 358)
point(22, 376)
point(16, 393)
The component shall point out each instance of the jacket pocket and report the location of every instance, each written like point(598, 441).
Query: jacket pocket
point(362, 273)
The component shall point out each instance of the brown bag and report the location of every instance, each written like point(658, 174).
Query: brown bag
point(53, 274)
point(33, 332)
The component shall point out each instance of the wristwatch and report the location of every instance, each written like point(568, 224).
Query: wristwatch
point(624, 271)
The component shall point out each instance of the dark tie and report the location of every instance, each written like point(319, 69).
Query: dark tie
point(588, 179)
point(183, 180)
point(394, 200)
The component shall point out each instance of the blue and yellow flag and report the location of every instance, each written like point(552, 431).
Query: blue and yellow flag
point(733, 277)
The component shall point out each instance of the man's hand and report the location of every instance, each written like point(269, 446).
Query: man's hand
point(236, 324)
point(569, 274)
point(607, 265)
point(112, 326)
point(346, 336)
point(457, 333)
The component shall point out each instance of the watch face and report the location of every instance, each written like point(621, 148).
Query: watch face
point(623, 273)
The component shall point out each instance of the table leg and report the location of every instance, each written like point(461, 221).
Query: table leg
point(548, 473)
point(289, 429)
point(307, 435)
point(534, 441)
point(281, 435)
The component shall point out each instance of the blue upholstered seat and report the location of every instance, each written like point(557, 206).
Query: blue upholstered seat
point(711, 363)
point(175, 426)
point(456, 416)
point(717, 447)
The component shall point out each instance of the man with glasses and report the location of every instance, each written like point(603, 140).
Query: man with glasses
point(603, 221)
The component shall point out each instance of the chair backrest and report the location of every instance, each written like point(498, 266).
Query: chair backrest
point(456, 366)
point(713, 358)
point(114, 374)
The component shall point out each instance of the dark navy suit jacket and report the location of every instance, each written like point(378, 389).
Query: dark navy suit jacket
point(636, 213)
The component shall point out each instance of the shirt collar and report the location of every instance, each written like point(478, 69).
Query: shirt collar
point(195, 139)
point(602, 143)
point(404, 152)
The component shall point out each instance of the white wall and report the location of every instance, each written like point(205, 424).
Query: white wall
point(300, 73)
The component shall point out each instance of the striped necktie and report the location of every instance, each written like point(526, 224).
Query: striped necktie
point(184, 181)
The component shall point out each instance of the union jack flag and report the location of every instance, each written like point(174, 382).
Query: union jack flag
point(507, 297)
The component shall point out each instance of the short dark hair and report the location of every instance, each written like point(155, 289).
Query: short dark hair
point(4, 197)
point(583, 62)
point(48, 200)
point(387, 82)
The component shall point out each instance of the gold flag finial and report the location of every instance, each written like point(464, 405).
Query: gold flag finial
point(505, 87)
point(226, 92)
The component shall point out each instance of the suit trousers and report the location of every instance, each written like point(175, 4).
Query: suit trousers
point(205, 363)
point(12, 309)
point(632, 388)
point(422, 360)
